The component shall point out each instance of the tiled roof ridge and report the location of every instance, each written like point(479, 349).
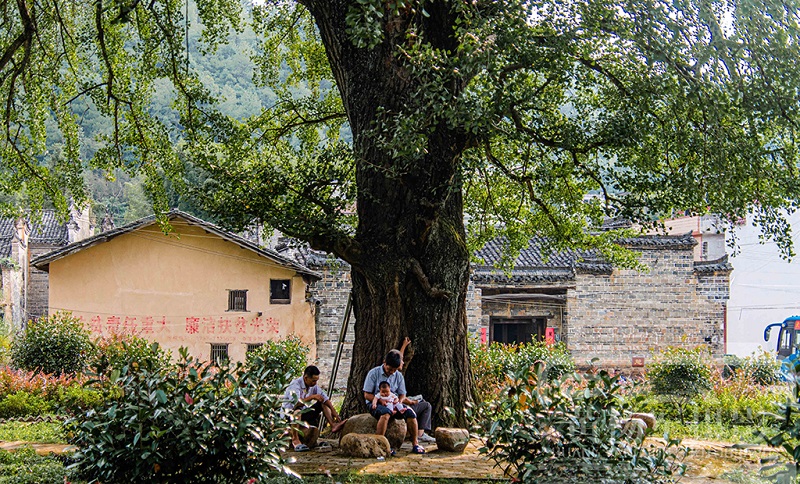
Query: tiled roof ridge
point(660, 241)
point(174, 213)
point(47, 230)
point(711, 266)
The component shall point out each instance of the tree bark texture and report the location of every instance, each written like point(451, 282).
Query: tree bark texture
point(412, 269)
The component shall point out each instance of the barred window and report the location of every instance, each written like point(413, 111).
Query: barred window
point(253, 346)
point(280, 291)
point(237, 299)
point(219, 353)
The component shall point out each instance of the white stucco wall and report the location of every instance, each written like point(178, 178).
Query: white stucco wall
point(764, 289)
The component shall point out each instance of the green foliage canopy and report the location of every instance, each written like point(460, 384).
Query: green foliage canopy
point(652, 106)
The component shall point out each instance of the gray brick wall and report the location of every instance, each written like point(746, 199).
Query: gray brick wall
point(613, 317)
point(630, 314)
point(38, 284)
point(332, 292)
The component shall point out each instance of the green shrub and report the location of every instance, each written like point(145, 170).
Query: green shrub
point(568, 431)
point(731, 363)
point(24, 466)
point(282, 361)
point(762, 367)
point(557, 359)
point(680, 375)
point(117, 351)
point(36, 383)
point(23, 404)
point(786, 436)
point(191, 422)
point(40, 432)
point(492, 363)
point(77, 398)
point(55, 345)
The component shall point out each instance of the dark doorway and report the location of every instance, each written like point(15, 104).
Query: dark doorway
point(517, 330)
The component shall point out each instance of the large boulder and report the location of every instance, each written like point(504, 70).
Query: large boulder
point(648, 418)
point(452, 440)
point(364, 445)
point(365, 423)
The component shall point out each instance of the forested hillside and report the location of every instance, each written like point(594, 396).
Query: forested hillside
point(226, 73)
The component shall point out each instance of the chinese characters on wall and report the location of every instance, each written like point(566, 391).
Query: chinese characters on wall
point(151, 325)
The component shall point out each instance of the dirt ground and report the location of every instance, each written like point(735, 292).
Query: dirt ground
point(706, 462)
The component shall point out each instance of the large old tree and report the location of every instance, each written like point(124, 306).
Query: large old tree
point(408, 132)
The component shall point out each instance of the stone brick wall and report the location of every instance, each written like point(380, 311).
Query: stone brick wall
point(474, 310)
point(332, 293)
point(38, 284)
point(629, 314)
point(613, 317)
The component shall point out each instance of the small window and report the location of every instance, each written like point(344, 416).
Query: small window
point(237, 299)
point(704, 253)
point(517, 330)
point(219, 353)
point(280, 291)
point(253, 346)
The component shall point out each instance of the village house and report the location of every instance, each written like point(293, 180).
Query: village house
point(219, 294)
point(198, 286)
point(24, 288)
point(617, 316)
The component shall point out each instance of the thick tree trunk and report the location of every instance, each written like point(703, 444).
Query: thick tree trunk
point(402, 290)
point(411, 273)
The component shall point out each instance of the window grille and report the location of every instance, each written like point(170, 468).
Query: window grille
point(280, 291)
point(237, 300)
point(704, 253)
point(253, 346)
point(219, 353)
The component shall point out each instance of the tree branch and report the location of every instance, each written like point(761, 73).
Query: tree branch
point(432, 291)
point(593, 65)
point(526, 181)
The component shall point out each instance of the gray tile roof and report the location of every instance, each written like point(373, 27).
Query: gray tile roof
point(535, 256)
point(48, 231)
point(712, 266)
point(534, 266)
point(6, 234)
point(44, 261)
